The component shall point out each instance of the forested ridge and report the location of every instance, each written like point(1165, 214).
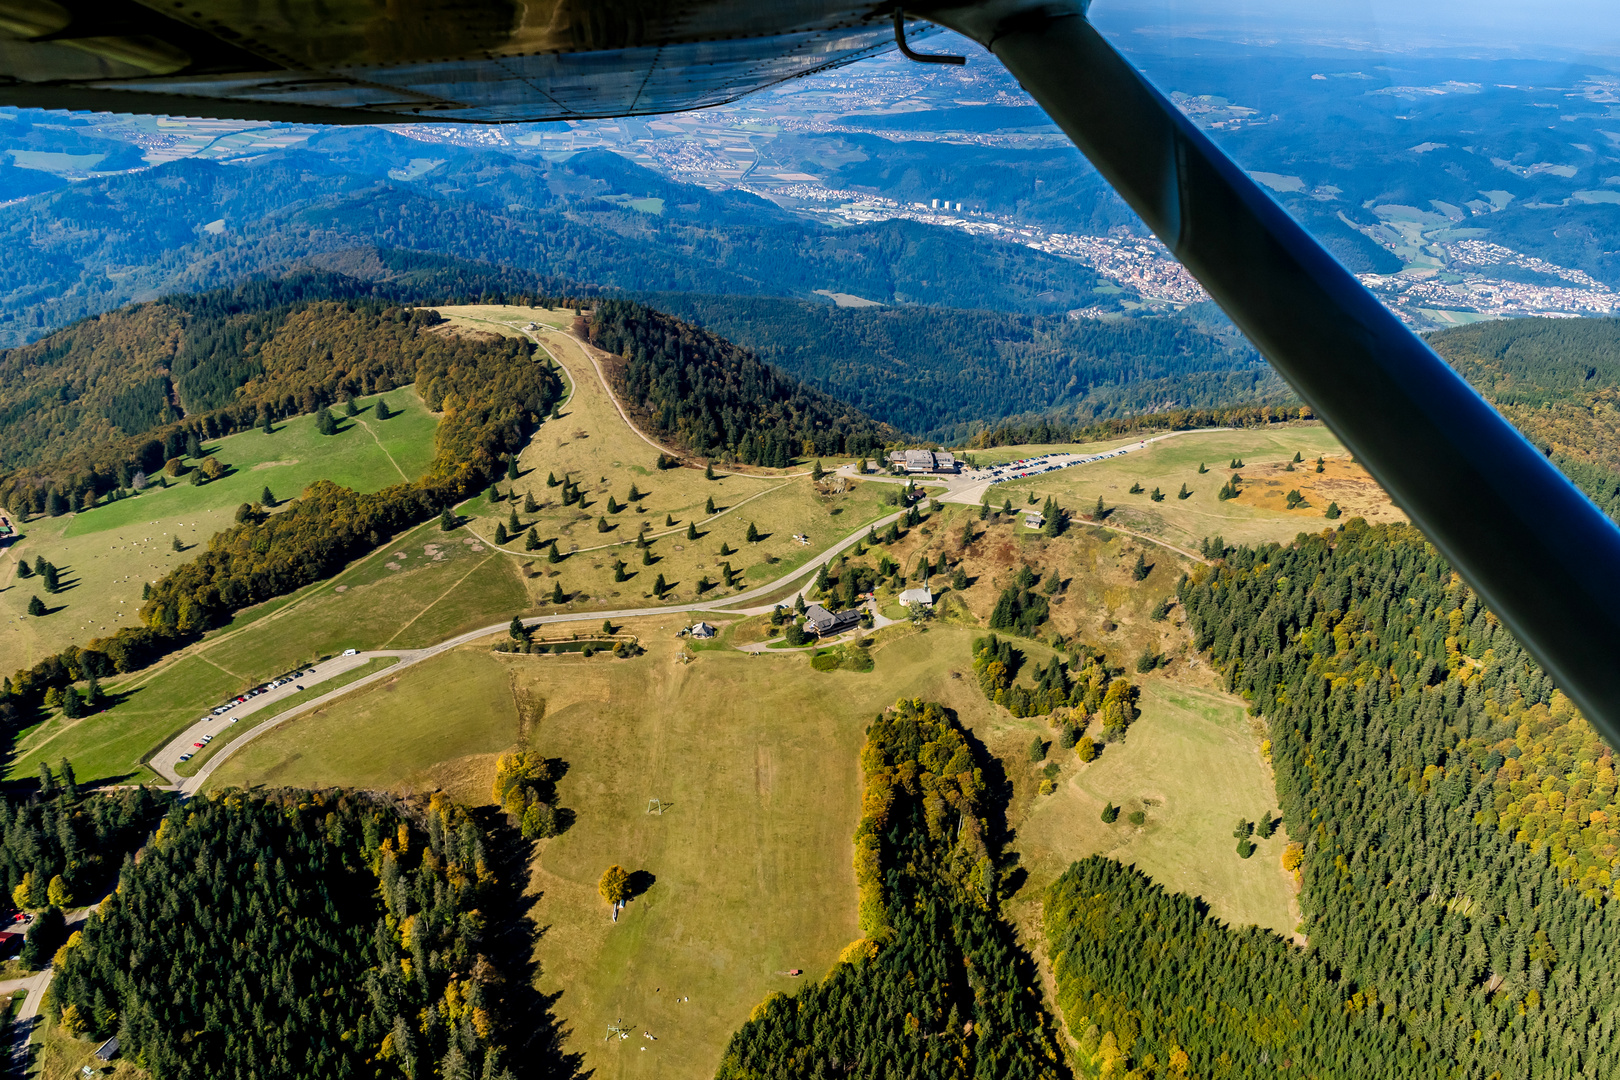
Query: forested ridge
point(1450, 816)
point(493, 393)
point(86, 408)
point(716, 399)
point(310, 934)
point(939, 986)
point(1558, 380)
point(947, 373)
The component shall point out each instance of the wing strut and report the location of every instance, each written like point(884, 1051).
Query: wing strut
point(1542, 556)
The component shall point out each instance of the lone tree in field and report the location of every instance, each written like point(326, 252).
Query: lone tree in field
point(708, 507)
point(529, 505)
point(516, 629)
point(511, 468)
point(531, 542)
point(753, 534)
point(177, 545)
point(382, 411)
point(51, 584)
point(350, 408)
point(36, 606)
point(816, 471)
point(23, 569)
point(326, 423)
point(266, 498)
point(607, 627)
point(1332, 511)
point(500, 533)
point(691, 530)
point(659, 587)
point(615, 885)
point(708, 471)
point(1141, 569)
point(557, 596)
point(447, 520)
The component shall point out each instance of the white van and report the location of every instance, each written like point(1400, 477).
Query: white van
point(350, 652)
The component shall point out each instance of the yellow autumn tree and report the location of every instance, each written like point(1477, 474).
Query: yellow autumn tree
point(25, 897)
point(615, 885)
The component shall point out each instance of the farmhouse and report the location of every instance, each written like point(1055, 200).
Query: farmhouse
point(924, 461)
point(702, 630)
point(919, 597)
point(821, 622)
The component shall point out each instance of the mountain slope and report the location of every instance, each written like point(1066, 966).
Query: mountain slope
point(718, 400)
point(948, 372)
point(75, 252)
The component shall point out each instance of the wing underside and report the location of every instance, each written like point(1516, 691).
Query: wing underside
point(354, 61)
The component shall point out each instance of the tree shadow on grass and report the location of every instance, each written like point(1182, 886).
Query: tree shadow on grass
point(638, 883)
point(536, 1050)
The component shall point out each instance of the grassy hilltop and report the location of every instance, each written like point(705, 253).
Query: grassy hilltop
point(107, 554)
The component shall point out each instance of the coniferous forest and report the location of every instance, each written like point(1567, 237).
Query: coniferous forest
point(939, 986)
point(1450, 822)
point(309, 934)
point(717, 400)
point(62, 847)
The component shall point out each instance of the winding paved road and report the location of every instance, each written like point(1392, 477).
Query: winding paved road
point(967, 487)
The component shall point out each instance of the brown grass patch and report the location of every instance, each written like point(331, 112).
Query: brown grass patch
point(1266, 487)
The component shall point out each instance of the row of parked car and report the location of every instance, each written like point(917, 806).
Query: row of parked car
point(240, 699)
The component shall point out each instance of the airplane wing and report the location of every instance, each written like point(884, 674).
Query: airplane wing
point(471, 61)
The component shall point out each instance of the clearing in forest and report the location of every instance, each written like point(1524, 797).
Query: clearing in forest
point(1191, 765)
point(106, 555)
